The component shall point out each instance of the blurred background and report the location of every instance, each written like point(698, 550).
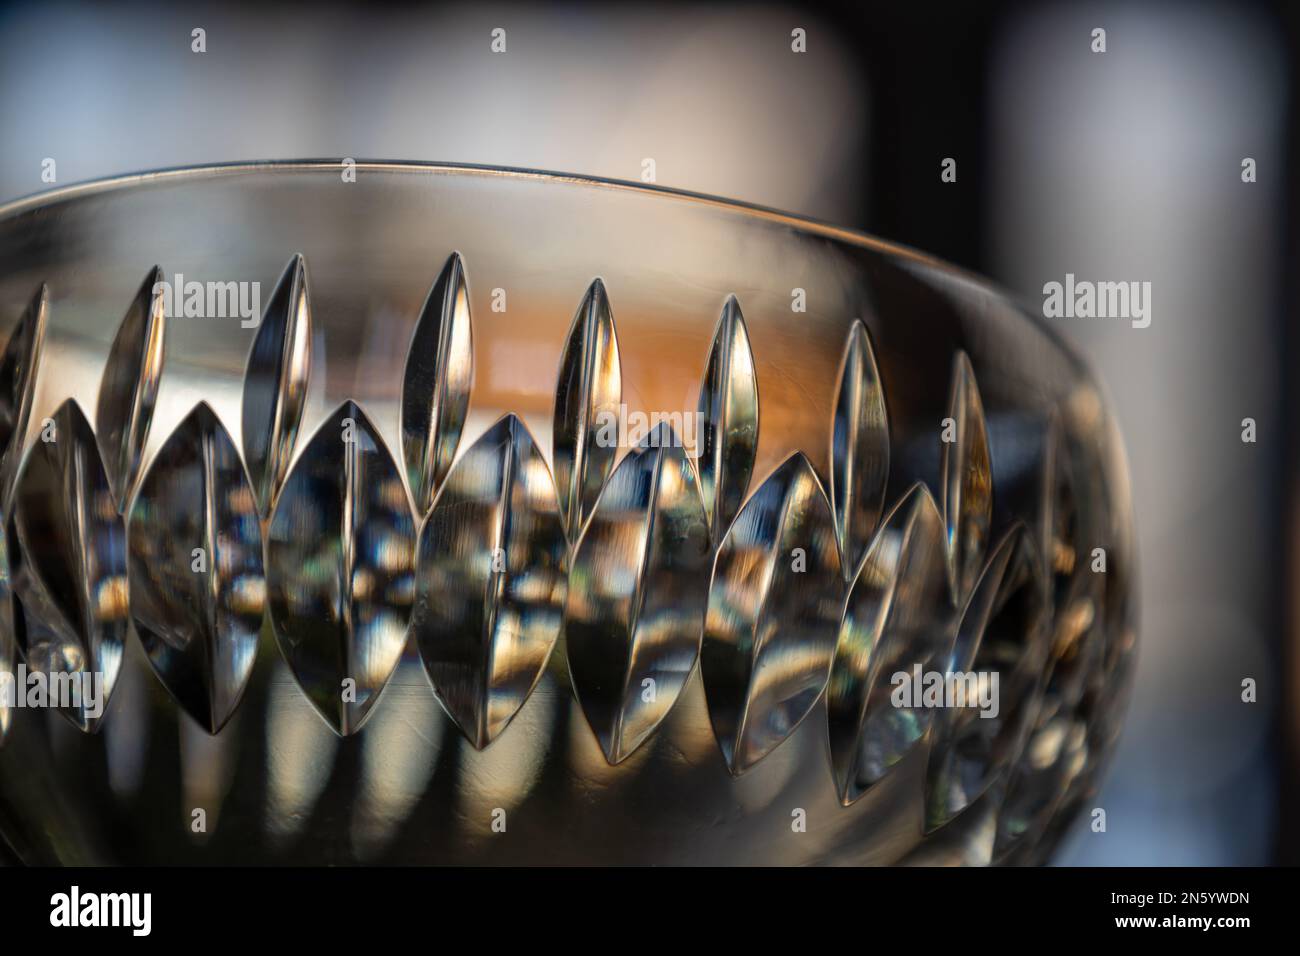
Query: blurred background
point(1122, 165)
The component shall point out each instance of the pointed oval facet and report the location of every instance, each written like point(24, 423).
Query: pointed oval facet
point(1067, 576)
point(859, 449)
point(587, 398)
point(897, 619)
point(68, 564)
point(638, 590)
point(129, 388)
point(340, 568)
point(728, 420)
point(275, 383)
point(8, 642)
point(491, 588)
point(1056, 743)
point(436, 384)
point(998, 660)
point(1056, 758)
point(18, 365)
point(195, 562)
point(774, 604)
point(967, 477)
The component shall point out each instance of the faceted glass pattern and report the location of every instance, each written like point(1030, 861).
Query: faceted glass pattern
point(443, 568)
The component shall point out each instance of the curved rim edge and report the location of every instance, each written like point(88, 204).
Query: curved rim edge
point(92, 187)
point(853, 237)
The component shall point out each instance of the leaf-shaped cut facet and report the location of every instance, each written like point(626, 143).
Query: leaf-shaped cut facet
point(728, 420)
point(436, 384)
point(587, 399)
point(967, 843)
point(967, 480)
point(996, 672)
point(774, 603)
point(275, 383)
point(491, 581)
point(1063, 567)
point(897, 620)
point(8, 644)
point(1055, 747)
point(638, 590)
point(68, 564)
point(129, 388)
point(18, 365)
point(340, 568)
point(195, 563)
point(1055, 755)
point(859, 449)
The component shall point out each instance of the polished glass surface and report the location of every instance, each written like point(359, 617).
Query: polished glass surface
point(467, 583)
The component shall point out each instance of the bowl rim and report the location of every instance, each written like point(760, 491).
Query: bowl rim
point(92, 187)
point(809, 225)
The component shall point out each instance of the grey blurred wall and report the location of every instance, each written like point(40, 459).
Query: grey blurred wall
point(714, 98)
point(1127, 166)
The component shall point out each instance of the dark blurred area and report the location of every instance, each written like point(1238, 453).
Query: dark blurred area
point(1123, 165)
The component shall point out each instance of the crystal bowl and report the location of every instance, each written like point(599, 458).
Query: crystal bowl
point(441, 514)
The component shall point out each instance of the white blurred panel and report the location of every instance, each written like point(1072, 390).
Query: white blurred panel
point(1126, 165)
point(716, 98)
